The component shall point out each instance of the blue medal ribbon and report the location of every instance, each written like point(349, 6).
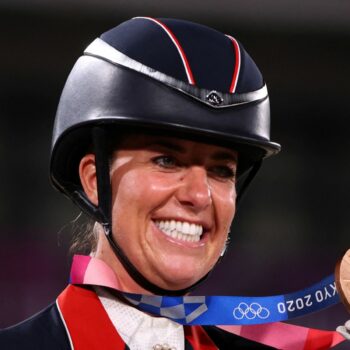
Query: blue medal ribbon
point(237, 310)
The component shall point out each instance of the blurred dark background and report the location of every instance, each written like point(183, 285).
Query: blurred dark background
point(293, 224)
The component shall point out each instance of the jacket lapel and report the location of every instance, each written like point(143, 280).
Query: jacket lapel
point(87, 323)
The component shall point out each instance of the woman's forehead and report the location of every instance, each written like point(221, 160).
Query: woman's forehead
point(144, 141)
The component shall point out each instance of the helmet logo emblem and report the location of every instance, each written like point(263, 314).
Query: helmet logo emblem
point(214, 98)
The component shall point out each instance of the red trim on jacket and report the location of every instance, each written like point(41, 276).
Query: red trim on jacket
point(87, 322)
point(198, 338)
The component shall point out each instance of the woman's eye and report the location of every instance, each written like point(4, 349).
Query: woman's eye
point(223, 172)
point(165, 162)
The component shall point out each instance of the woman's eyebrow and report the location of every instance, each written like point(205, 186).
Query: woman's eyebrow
point(171, 146)
point(225, 155)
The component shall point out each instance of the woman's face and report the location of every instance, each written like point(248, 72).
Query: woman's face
point(173, 201)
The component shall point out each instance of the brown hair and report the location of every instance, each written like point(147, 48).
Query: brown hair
point(84, 236)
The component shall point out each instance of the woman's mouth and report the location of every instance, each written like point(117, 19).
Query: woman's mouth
point(180, 230)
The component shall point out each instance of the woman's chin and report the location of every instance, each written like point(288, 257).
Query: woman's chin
point(176, 279)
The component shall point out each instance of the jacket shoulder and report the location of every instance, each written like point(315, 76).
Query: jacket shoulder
point(44, 330)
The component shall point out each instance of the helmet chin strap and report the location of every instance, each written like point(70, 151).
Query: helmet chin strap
point(248, 179)
point(104, 214)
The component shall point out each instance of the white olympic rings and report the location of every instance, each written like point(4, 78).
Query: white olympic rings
point(243, 310)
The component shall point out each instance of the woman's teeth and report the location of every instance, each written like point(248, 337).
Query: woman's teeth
point(180, 230)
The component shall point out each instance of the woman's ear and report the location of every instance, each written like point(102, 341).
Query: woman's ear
point(87, 174)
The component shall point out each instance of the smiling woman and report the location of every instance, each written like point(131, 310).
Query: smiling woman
point(175, 236)
point(151, 139)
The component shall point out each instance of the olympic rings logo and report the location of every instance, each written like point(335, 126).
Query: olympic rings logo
point(250, 312)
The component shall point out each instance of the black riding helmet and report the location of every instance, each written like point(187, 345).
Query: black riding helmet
point(167, 76)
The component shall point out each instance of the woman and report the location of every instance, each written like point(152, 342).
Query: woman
point(158, 122)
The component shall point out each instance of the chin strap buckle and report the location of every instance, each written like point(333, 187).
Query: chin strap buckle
point(106, 228)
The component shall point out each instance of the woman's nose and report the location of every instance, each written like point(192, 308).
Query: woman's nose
point(194, 190)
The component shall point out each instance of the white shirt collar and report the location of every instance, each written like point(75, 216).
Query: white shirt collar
point(139, 330)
